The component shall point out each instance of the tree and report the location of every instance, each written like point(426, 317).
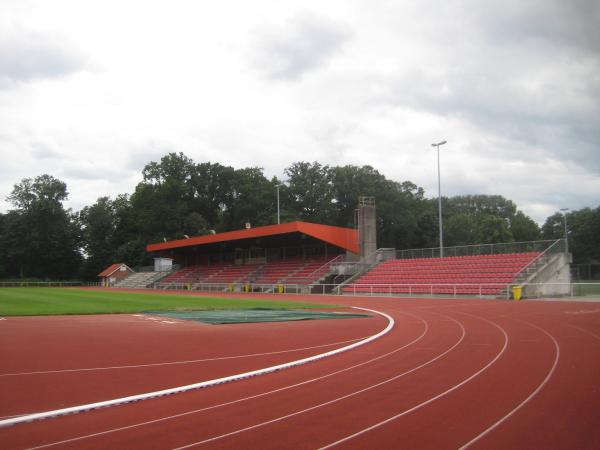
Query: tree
point(461, 229)
point(309, 192)
point(493, 229)
point(195, 225)
point(212, 192)
point(98, 225)
point(2, 246)
point(492, 219)
point(41, 237)
point(252, 200)
point(553, 228)
point(44, 191)
point(523, 228)
point(583, 233)
point(17, 252)
point(493, 205)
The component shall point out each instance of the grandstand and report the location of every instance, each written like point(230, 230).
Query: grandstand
point(305, 257)
point(295, 253)
point(295, 270)
point(479, 275)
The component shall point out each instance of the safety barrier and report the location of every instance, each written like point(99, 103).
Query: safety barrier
point(482, 290)
point(478, 249)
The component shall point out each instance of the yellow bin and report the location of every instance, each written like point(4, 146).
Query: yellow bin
point(517, 292)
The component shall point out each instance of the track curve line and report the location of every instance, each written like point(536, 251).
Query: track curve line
point(335, 400)
point(202, 384)
point(533, 394)
point(171, 363)
point(243, 399)
point(432, 399)
point(588, 332)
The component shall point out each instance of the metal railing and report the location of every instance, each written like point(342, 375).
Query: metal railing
point(558, 246)
point(320, 271)
point(445, 290)
point(427, 289)
point(475, 250)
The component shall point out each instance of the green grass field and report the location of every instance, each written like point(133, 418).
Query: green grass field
point(56, 301)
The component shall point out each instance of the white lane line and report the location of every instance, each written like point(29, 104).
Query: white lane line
point(583, 311)
point(179, 362)
point(432, 399)
point(588, 332)
point(200, 385)
point(335, 400)
point(8, 417)
point(251, 397)
point(533, 394)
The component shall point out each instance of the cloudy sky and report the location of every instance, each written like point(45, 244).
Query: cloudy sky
point(90, 91)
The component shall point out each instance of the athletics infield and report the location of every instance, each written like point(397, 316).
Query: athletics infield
point(445, 374)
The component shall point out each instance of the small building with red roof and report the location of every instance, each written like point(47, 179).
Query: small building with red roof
point(114, 273)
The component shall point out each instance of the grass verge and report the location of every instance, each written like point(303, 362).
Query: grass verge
point(57, 301)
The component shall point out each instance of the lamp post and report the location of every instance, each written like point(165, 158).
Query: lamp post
point(278, 219)
point(564, 211)
point(440, 198)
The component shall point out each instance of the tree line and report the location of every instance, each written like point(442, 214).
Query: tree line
point(178, 197)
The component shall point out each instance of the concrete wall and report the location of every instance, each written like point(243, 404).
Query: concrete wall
point(555, 271)
point(367, 229)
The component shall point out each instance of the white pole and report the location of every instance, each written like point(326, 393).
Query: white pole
point(564, 210)
point(440, 205)
point(440, 199)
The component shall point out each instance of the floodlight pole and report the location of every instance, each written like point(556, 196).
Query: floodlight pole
point(440, 198)
point(564, 210)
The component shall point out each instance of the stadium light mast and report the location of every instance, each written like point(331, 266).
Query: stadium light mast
point(564, 211)
point(440, 198)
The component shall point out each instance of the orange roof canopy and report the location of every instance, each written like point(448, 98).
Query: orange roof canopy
point(346, 238)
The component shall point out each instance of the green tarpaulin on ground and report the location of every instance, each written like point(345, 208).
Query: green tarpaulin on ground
point(252, 315)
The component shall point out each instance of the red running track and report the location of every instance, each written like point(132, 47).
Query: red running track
point(480, 373)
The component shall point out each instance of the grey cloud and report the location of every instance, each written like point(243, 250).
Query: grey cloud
point(529, 92)
point(25, 56)
point(524, 71)
point(84, 172)
point(144, 154)
point(88, 171)
point(41, 150)
point(305, 43)
point(572, 23)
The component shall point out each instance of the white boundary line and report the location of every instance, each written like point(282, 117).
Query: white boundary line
point(432, 399)
point(243, 399)
point(533, 394)
point(200, 385)
point(190, 361)
point(335, 400)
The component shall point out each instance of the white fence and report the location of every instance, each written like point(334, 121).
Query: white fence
point(574, 291)
point(483, 290)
